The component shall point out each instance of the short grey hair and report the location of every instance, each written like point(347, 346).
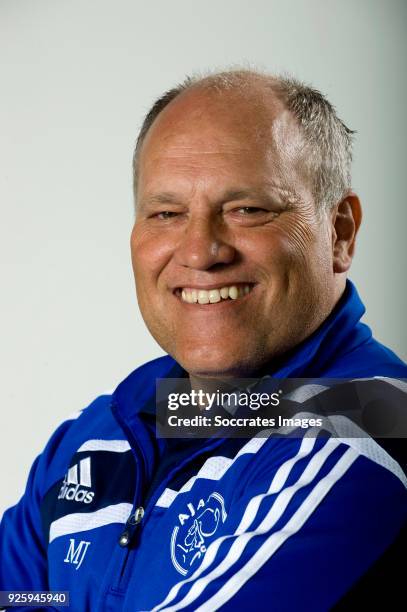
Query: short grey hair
point(327, 139)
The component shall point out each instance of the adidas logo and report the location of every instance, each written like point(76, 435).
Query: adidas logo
point(75, 493)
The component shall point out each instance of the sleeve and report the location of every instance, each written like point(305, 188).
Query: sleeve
point(23, 564)
point(301, 538)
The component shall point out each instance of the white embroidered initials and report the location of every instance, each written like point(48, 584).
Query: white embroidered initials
point(76, 555)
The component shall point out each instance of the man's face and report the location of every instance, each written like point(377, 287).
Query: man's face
point(225, 210)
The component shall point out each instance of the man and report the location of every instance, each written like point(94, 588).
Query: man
point(245, 231)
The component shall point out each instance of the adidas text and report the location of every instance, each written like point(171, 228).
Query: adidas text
point(76, 494)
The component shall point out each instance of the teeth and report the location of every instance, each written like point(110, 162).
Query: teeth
point(214, 296)
point(193, 296)
point(203, 297)
point(233, 293)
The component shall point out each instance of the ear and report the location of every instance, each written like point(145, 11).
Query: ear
point(346, 219)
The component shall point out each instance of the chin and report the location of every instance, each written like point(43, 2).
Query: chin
point(209, 366)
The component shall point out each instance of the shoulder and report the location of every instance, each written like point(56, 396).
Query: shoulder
point(96, 421)
point(370, 358)
point(89, 422)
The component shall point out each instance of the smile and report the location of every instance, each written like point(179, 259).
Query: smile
point(213, 296)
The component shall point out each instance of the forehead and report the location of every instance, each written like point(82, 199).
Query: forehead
point(204, 134)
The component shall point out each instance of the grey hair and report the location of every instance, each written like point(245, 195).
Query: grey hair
point(327, 139)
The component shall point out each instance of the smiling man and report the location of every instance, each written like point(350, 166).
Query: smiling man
point(244, 234)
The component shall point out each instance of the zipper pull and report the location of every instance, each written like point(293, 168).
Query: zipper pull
point(131, 525)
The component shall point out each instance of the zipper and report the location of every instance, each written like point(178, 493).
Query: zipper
point(132, 523)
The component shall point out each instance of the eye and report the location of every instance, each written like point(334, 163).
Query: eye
point(165, 214)
point(251, 216)
point(250, 210)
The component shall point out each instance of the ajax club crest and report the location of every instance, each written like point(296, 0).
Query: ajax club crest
point(190, 537)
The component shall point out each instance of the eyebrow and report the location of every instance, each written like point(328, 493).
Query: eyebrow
point(166, 197)
point(231, 195)
point(238, 194)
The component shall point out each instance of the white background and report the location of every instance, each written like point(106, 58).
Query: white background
point(76, 78)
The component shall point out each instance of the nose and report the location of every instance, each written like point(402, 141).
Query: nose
point(204, 245)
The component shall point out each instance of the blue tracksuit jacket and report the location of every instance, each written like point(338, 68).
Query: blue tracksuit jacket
point(262, 523)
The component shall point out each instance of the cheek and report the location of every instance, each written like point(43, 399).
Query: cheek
point(150, 253)
point(303, 244)
point(271, 250)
